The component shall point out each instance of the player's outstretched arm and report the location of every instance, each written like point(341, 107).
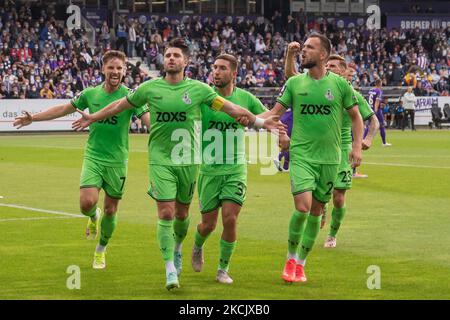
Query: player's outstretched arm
point(374, 124)
point(49, 114)
point(277, 110)
point(293, 50)
point(145, 118)
point(112, 109)
point(242, 115)
point(358, 129)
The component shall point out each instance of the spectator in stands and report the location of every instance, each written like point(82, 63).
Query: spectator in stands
point(46, 93)
point(270, 82)
point(132, 37)
point(419, 91)
point(409, 103)
point(121, 35)
point(104, 34)
point(291, 28)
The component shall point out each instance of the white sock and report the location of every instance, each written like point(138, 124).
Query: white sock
point(170, 267)
point(95, 216)
point(100, 248)
point(302, 262)
point(178, 247)
point(292, 256)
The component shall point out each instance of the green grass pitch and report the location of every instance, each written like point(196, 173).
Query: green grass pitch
point(398, 219)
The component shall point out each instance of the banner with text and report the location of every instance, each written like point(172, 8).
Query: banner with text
point(423, 108)
point(9, 109)
point(425, 22)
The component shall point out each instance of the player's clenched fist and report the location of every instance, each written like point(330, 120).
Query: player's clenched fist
point(294, 47)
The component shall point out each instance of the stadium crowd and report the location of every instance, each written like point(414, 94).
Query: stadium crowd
point(40, 58)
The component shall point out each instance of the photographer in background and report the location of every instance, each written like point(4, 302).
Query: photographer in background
point(409, 103)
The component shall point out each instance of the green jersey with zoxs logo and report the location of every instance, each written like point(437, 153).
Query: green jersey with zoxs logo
point(318, 107)
point(175, 112)
point(108, 138)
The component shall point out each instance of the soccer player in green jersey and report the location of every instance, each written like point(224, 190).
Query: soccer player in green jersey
point(106, 153)
point(223, 176)
point(343, 182)
point(174, 151)
point(319, 99)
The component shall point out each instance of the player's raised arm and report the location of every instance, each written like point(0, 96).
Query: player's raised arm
point(112, 109)
point(49, 114)
point(292, 51)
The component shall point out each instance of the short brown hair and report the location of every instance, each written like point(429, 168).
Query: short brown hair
point(341, 60)
point(231, 59)
point(111, 54)
point(180, 44)
point(325, 42)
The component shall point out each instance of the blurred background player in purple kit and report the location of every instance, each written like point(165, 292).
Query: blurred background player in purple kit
point(375, 103)
point(374, 99)
point(284, 154)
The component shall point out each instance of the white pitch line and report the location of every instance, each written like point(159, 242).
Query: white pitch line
point(41, 210)
point(403, 165)
point(38, 218)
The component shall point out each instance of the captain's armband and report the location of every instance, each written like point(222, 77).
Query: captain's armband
point(218, 103)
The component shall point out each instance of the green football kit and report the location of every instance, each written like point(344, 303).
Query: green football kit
point(223, 173)
point(345, 172)
point(106, 153)
point(318, 108)
point(174, 142)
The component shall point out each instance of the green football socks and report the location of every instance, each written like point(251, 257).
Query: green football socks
point(166, 239)
point(296, 227)
point(309, 236)
point(337, 216)
point(180, 228)
point(226, 250)
point(108, 225)
point(199, 239)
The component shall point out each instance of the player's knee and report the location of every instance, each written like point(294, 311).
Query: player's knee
point(302, 207)
point(339, 200)
point(87, 204)
point(209, 226)
point(166, 212)
point(110, 210)
point(229, 223)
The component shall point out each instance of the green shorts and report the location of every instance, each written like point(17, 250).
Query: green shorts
point(173, 183)
point(213, 190)
point(110, 179)
point(318, 178)
point(345, 171)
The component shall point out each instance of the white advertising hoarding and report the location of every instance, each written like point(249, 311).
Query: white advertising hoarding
point(10, 109)
point(423, 108)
